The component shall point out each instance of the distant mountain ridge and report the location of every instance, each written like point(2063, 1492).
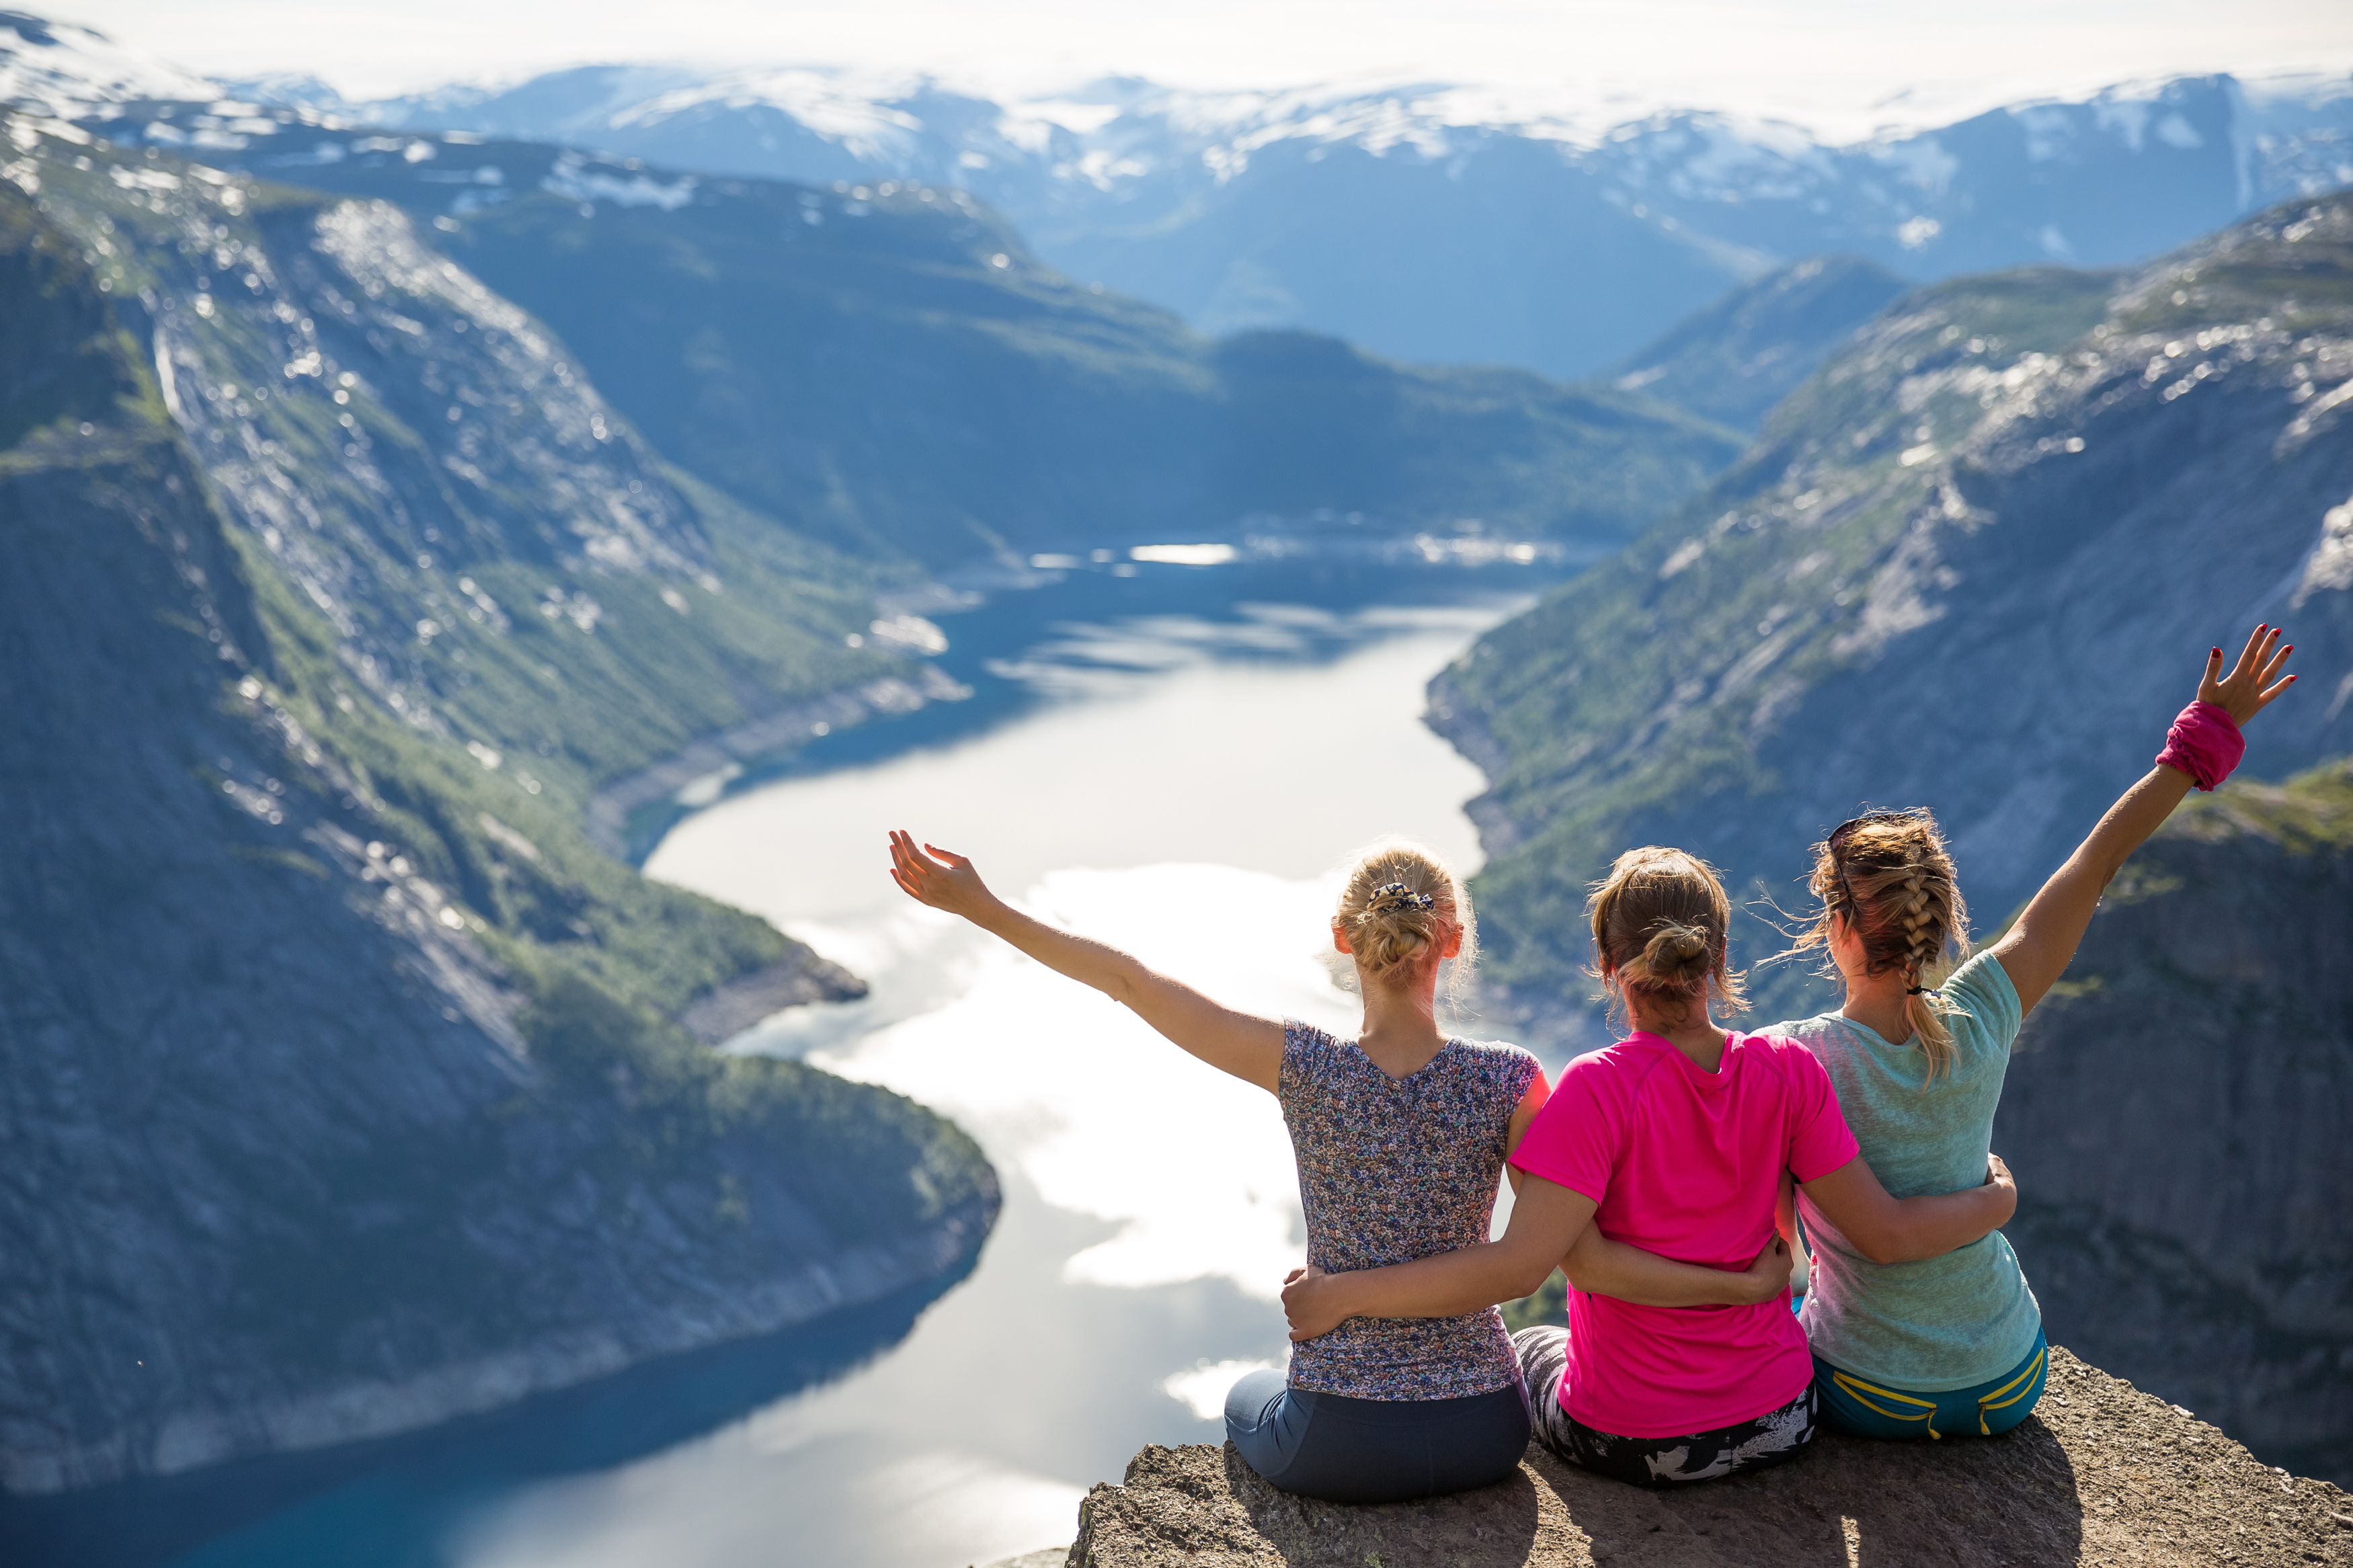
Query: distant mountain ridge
point(1437, 222)
point(2040, 469)
point(896, 371)
point(1424, 221)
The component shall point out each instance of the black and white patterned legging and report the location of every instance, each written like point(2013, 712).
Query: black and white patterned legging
point(1768, 1440)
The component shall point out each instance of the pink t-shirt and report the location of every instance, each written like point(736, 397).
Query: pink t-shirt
point(1687, 1164)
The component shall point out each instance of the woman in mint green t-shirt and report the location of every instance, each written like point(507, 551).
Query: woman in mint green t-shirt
point(1954, 1344)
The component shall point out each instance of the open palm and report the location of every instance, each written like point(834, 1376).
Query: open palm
point(2254, 681)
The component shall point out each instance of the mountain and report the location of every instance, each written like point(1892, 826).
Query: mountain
point(65, 70)
point(1443, 222)
point(1969, 566)
point(1735, 360)
point(350, 1088)
point(893, 371)
point(2002, 488)
point(2206, 1031)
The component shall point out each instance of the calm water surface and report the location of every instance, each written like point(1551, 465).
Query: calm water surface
point(1177, 776)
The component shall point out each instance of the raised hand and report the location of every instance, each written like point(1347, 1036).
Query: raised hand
point(940, 878)
point(2254, 681)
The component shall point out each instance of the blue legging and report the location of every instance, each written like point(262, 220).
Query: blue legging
point(1340, 1449)
point(1867, 1409)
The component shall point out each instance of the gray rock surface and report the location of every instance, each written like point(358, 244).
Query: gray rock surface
point(2101, 1474)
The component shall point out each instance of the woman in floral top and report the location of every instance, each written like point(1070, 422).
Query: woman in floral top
point(1401, 1135)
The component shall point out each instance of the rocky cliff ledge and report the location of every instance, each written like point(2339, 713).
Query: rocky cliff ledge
point(2102, 1473)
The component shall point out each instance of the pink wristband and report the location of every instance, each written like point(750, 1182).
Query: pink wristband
point(2205, 743)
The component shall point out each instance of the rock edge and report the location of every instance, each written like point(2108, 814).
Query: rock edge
point(2101, 1473)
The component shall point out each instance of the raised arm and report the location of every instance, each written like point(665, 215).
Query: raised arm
point(1902, 1230)
point(1248, 1047)
point(2037, 949)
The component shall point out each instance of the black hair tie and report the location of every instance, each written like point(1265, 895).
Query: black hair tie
point(1913, 990)
point(1391, 896)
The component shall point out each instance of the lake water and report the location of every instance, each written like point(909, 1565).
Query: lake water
point(1186, 793)
point(1175, 763)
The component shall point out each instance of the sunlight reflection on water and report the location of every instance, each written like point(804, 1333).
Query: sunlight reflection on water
point(1187, 797)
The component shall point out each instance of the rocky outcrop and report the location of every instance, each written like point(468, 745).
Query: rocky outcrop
point(2101, 1474)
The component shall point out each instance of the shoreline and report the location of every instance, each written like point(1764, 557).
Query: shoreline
point(365, 1411)
point(613, 816)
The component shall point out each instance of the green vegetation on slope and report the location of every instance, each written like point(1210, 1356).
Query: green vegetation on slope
point(1970, 564)
point(1735, 360)
point(341, 1059)
point(890, 368)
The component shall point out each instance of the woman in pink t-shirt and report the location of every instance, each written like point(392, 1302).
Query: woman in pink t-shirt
point(1681, 1361)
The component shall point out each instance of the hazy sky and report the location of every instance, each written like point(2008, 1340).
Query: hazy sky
point(1835, 55)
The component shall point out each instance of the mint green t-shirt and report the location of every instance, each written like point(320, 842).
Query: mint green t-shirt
point(1942, 1322)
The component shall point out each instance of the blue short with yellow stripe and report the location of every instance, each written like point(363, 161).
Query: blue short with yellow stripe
point(1866, 1409)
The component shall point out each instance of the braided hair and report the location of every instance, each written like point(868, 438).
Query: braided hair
point(1889, 877)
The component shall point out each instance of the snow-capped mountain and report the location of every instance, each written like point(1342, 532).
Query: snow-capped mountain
point(68, 71)
point(1436, 221)
point(1426, 221)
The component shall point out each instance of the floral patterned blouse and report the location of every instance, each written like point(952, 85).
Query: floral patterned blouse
point(1392, 1169)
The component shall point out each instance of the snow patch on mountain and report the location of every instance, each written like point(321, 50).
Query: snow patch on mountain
point(70, 71)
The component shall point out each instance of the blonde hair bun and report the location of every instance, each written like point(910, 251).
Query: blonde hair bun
point(1398, 902)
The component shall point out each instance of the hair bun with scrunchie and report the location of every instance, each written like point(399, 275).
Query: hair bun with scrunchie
point(1391, 896)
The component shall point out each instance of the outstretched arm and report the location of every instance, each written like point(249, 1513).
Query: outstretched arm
point(1246, 1046)
point(2036, 950)
point(1902, 1230)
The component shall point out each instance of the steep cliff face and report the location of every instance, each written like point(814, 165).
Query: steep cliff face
point(344, 1093)
point(2177, 1116)
point(892, 367)
point(1971, 564)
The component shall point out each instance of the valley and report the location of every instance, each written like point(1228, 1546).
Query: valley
point(480, 567)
